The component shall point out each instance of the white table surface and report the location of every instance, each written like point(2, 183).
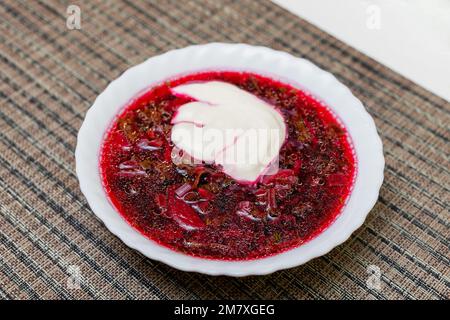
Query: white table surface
point(411, 37)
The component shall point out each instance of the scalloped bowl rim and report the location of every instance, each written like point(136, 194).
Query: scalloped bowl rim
point(265, 61)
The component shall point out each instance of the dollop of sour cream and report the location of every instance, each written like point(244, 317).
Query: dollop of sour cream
point(230, 127)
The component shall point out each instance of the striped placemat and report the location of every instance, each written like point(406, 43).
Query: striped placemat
point(51, 244)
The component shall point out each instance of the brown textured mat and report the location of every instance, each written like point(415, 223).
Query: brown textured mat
point(51, 75)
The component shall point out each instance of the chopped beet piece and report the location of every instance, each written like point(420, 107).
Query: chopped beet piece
point(182, 212)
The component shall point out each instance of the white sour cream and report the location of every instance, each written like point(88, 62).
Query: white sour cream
point(230, 127)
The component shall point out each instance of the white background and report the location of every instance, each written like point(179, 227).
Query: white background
point(411, 37)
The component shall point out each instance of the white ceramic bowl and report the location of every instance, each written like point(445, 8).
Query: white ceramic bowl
point(278, 65)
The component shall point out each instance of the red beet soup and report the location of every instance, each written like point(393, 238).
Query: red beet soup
point(199, 210)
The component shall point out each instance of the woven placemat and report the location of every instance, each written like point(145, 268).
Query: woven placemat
point(50, 239)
